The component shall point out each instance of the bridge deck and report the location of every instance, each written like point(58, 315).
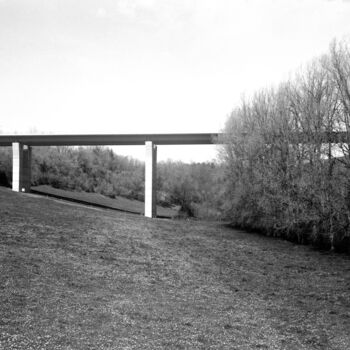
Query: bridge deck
point(110, 139)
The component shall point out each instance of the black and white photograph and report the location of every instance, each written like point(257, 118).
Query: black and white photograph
point(174, 174)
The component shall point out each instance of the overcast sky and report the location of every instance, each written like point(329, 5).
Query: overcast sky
point(151, 66)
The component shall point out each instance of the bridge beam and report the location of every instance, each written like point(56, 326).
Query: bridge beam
point(21, 167)
point(150, 180)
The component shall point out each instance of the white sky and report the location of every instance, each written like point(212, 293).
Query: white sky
point(151, 66)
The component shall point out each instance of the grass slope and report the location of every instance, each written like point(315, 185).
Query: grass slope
point(83, 278)
point(119, 203)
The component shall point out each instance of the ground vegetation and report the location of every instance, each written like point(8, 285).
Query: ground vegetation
point(76, 277)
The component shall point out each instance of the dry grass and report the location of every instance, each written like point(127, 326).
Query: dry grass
point(79, 278)
point(118, 203)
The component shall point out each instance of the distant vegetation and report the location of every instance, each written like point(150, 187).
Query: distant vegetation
point(193, 187)
point(284, 178)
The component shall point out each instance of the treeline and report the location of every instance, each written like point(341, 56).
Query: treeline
point(285, 178)
point(92, 169)
point(194, 188)
point(197, 188)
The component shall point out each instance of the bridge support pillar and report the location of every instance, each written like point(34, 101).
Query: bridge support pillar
point(21, 167)
point(150, 180)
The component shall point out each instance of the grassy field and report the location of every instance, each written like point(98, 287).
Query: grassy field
point(118, 203)
point(74, 277)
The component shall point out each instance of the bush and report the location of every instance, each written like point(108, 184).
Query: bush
point(286, 176)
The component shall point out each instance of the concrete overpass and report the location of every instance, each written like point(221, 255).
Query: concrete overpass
point(22, 153)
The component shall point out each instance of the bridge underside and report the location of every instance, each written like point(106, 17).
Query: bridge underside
point(22, 151)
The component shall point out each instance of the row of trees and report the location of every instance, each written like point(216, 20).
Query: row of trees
point(286, 177)
point(197, 188)
point(81, 169)
point(192, 187)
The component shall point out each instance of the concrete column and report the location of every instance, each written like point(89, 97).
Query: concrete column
point(27, 168)
point(150, 180)
point(21, 167)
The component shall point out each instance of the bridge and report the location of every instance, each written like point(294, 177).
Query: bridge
point(22, 153)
